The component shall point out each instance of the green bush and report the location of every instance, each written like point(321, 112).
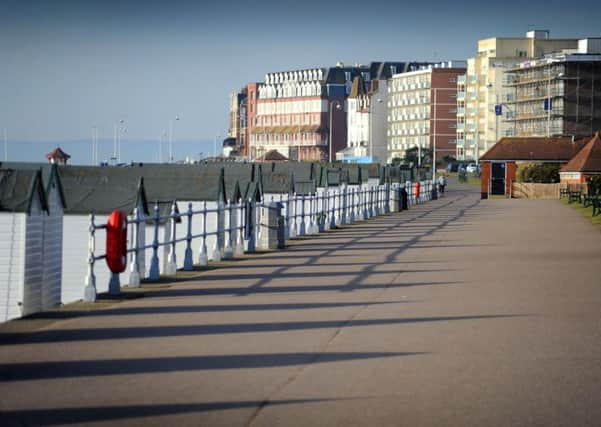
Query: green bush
point(545, 173)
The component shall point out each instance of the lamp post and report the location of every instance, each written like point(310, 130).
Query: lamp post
point(371, 126)
point(299, 131)
point(5, 145)
point(171, 138)
point(94, 145)
point(163, 135)
point(338, 107)
point(215, 146)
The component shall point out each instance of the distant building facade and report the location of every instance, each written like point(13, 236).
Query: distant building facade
point(482, 91)
point(367, 139)
point(558, 95)
point(422, 109)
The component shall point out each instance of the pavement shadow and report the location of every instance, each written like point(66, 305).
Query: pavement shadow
point(103, 367)
point(89, 414)
point(101, 334)
point(219, 308)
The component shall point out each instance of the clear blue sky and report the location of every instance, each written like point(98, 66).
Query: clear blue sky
point(68, 65)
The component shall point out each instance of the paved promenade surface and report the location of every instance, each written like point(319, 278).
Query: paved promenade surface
point(459, 312)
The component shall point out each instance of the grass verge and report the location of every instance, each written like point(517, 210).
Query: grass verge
point(586, 212)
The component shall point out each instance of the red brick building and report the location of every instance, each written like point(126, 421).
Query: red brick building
point(499, 163)
point(583, 165)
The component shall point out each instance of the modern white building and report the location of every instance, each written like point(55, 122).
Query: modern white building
point(482, 94)
point(422, 109)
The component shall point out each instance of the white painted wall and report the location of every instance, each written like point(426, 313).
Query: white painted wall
point(33, 257)
point(53, 247)
point(12, 250)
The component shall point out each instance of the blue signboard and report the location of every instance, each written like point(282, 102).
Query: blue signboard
point(498, 110)
point(548, 104)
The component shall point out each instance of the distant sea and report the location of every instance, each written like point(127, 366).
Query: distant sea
point(146, 151)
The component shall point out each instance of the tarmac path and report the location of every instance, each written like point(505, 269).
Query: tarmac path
point(458, 312)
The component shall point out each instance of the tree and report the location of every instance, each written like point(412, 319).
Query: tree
point(412, 153)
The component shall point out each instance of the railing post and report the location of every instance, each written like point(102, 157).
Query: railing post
point(312, 213)
point(250, 225)
point(171, 258)
point(134, 274)
point(216, 254)
point(302, 230)
point(154, 272)
point(239, 248)
point(292, 217)
point(89, 293)
point(333, 211)
point(228, 251)
point(326, 209)
point(188, 260)
point(203, 258)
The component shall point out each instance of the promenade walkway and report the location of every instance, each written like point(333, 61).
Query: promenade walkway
point(459, 312)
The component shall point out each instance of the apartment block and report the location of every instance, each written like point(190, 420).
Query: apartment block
point(558, 95)
point(422, 109)
point(367, 113)
point(483, 95)
point(297, 112)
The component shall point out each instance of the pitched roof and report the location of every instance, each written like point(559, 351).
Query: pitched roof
point(588, 159)
point(57, 153)
point(277, 182)
point(273, 156)
point(554, 149)
point(302, 171)
point(19, 187)
point(100, 189)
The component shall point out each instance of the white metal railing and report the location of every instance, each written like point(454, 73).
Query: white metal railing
point(243, 227)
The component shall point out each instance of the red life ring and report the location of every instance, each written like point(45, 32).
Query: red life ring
point(116, 242)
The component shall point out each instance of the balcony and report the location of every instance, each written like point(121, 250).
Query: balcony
point(461, 79)
point(460, 126)
point(461, 95)
point(461, 111)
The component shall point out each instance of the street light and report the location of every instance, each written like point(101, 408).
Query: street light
point(338, 107)
point(163, 134)
point(215, 146)
point(371, 126)
point(94, 145)
point(171, 138)
point(5, 145)
point(117, 128)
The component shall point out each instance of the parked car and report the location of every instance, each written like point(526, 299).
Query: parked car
point(472, 168)
point(454, 167)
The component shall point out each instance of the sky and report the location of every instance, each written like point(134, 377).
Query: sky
point(67, 66)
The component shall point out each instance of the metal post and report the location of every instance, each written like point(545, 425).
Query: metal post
point(216, 255)
point(89, 294)
point(292, 233)
point(203, 258)
point(228, 251)
point(239, 249)
point(188, 263)
point(302, 229)
point(171, 258)
point(154, 272)
point(134, 275)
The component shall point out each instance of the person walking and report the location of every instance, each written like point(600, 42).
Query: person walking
point(442, 182)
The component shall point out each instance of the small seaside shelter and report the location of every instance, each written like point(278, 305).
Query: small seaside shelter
point(23, 206)
point(584, 165)
point(499, 164)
